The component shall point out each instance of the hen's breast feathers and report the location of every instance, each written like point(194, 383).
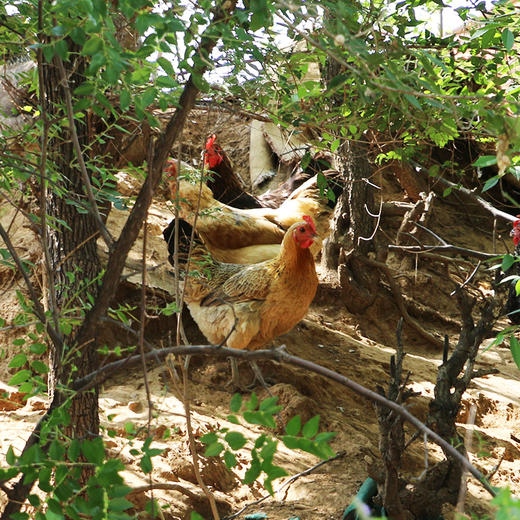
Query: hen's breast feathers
point(253, 304)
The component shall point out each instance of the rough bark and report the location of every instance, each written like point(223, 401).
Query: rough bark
point(72, 246)
point(352, 230)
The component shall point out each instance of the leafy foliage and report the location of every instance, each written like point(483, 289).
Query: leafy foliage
point(264, 448)
point(407, 86)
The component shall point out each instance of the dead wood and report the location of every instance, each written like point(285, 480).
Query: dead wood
point(391, 439)
point(409, 232)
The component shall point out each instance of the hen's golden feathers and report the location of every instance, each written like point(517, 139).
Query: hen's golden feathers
point(252, 304)
point(248, 235)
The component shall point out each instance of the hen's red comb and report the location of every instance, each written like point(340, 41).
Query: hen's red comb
point(515, 232)
point(210, 142)
point(171, 168)
point(309, 221)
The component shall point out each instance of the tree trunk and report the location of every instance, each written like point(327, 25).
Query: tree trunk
point(73, 252)
point(352, 230)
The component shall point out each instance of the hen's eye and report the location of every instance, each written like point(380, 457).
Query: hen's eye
point(302, 230)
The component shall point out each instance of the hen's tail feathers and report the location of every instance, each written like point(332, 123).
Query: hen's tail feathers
point(199, 250)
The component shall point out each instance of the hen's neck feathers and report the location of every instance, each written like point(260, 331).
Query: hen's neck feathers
point(291, 254)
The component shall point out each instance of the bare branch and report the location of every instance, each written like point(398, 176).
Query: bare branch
point(484, 203)
point(286, 483)
point(280, 354)
point(444, 249)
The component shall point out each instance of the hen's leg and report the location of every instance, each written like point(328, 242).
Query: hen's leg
point(235, 377)
point(258, 375)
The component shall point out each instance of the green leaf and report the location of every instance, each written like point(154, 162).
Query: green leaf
point(515, 350)
point(508, 38)
point(56, 450)
point(38, 348)
point(10, 457)
point(92, 46)
point(236, 403)
point(93, 450)
point(252, 403)
point(337, 81)
point(166, 82)
point(20, 377)
point(291, 442)
point(310, 428)
point(267, 404)
point(146, 464)
point(490, 183)
point(209, 438)
point(507, 261)
point(485, 160)
point(229, 459)
point(253, 472)
point(74, 450)
point(39, 367)
point(325, 436)
point(235, 440)
point(124, 99)
point(62, 49)
point(119, 504)
point(166, 65)
point(261, 418)
point(413, 101)
point(195, 516)
point(44, 479)
point(18, 361)
point(54, 507)
point(233, 419)
point(48, 52)
point(200, 82)
point(34, 500)
point(214, 449)
point(82, 104)
point(293, 427)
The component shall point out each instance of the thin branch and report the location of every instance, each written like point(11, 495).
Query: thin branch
point(468, 444)
point(142, 327)
point(467, 280)
point(51, 285)
point(280, 354)
point(286, 483)
point(443, 249)
point(109, 241)
point(193, 446)
point(38, 308)
point(484, 203)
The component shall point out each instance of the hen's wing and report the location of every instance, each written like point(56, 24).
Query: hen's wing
point(251, 283)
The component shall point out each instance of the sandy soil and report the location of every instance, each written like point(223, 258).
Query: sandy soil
point(357, 346)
